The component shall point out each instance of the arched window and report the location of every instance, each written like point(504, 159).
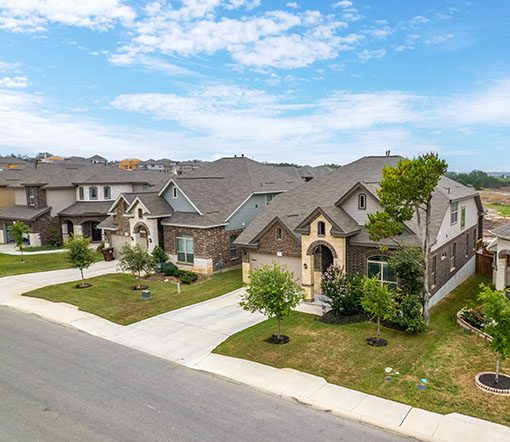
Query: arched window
point(362, 201)
point(378, 266)
point(321, 228)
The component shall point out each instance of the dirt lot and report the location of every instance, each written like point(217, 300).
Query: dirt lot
point(497, 206)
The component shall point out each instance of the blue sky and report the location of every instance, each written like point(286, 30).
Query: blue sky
point(306, 81)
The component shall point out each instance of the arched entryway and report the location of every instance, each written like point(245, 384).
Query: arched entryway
point(141, 235)
point(324, 254)
point(69, 227)
point(89, 229)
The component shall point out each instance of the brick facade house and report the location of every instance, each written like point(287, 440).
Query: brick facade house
point(196, 218)
point(323, 222)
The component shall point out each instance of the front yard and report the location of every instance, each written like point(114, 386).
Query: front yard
point(12, 265)
point(111, 296)
point(446, 355)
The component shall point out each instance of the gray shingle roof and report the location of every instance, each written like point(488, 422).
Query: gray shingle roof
point(502, 231)
point(87, 208)
point(108, 223)
point(22, 213)
point(294, 206)
point(156, 205)
point(191, 219)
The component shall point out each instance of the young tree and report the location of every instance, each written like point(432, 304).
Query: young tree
point(406, 191)
point(79, 253)
point(274, 292)
point(496, 307)
point(378, 301)
point(18, 230)
point(135, 260)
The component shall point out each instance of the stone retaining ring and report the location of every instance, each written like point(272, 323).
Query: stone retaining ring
point(503, 392)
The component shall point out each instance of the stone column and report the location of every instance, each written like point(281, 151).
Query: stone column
point(78, 229)
point(307, 276)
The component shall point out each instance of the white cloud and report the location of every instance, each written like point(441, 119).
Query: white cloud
point(292, 5)
point(36, 15)
point(342, 4)
point(380, 33)
point(367, 54)
point(438, 39)
point(14, 82)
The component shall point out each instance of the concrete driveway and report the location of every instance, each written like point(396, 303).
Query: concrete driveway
point(189, 334)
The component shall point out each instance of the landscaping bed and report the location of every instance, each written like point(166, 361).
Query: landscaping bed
point(447, 356)
point(12, 265)
point(110, 296)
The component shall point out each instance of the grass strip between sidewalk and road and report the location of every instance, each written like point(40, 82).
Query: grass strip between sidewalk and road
point(111, 297)
point(446, 355)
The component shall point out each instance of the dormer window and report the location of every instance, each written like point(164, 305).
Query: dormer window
point(321, 228)
point(362, 201)
point(93, 193)
point(278, 233)
point(174, 192)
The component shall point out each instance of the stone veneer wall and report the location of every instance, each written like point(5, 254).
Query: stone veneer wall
point(40, 197)
point(121, 221)
point(211, 246)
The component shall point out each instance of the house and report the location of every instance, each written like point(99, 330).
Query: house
point(501, 247)
point(12, 163)
point(163, 165)
point(323, 222)
point(197, 217)
point(59, 199)
point(129, 163)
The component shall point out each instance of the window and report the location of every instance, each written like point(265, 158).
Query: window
point(321, 228)
point(174, 192)
point(453, 256)
point(434, 271)
point(362, 201)
point(378, 266)
point(31, 196)
point(278, 233)
point(474, 241)
point(462, 217)
point(467, 245)
point(140, 213)
point(93, 193)
point(107, 193)
point(443, 256)
point(185, 249)
point(233, 247)
point(269, 198)
point(81, 193)
point(454, 213)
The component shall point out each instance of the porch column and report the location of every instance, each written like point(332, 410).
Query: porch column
point(78, 229)
point(501, 282)
point(307, 276)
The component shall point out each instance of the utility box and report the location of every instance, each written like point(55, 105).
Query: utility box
point(146, 295)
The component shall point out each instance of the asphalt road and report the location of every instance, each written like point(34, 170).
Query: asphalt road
point(59, 384)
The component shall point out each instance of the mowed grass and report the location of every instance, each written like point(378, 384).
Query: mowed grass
point(501, 208)
point(12, 265)
point(111, 296)
point(446, 355)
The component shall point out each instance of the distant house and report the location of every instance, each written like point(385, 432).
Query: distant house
point(163, 165)
point(197, 217)
point(129, 163)
point(323, 222)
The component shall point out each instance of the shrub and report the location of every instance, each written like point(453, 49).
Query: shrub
point(409, 313)
point(474, 317)
point(159, 256)
point(343, 291)
point(53, 237)
point(100, 247)
point(407, 264)
point(187, 277)
point(170, 269)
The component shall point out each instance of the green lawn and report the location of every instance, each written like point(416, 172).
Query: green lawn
point(12, 265)
point(502, 209)
point(112, 298)
point(446, 355)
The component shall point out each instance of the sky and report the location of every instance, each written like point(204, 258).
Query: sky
point(308, 82)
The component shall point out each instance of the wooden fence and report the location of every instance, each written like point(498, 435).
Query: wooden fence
point(484, 263)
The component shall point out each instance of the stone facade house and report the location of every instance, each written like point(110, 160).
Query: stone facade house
point(323, 222)
point(501, 248)
point(197, 217)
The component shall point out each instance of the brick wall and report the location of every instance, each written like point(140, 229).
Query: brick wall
point(43, 224)
point(288, 245)
point(40, 197)
point(357, 256)
point(211, 243)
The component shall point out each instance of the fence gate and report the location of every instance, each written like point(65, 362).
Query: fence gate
point(484, 264)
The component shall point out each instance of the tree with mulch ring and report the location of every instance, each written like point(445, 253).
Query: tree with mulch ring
point(139, 287)
point(496, 307)
point(135, 260)
point(379, 302)
point(80, 255)
point(274, 292)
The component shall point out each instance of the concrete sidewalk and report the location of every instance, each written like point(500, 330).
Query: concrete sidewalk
point(189, 335)
point(12, 249)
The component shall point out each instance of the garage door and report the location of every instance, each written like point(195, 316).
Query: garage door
point(117, 241)
point(293, 264)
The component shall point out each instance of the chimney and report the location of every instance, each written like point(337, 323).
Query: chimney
point(242, 155)
point(388, 153)
point(35, 164)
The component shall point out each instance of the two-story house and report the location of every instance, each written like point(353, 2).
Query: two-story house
point(197, 217)
point(323, 222)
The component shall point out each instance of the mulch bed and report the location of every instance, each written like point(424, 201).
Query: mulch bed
point(377, 342)
point(139, 287)
point(161, 277)
point(489, 380)
point(278, 340)
point(332, 318)
point(392, 325)
point(84, 285)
